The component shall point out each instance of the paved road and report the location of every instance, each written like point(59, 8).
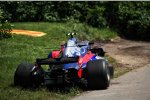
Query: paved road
point(134, 85)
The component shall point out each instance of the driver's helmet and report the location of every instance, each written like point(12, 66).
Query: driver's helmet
point(74, 39)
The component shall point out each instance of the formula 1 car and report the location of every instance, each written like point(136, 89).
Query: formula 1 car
point(73, 63)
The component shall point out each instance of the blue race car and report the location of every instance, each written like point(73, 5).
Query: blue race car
point(73, 63)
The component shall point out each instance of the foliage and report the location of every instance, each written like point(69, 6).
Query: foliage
point(129, 19)
point(95, 16)
point(5, 27)
point(1, 14)
point(59, 11)
point(135, 19)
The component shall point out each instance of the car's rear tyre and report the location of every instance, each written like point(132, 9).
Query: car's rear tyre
point(98, 76)
point(23, 76)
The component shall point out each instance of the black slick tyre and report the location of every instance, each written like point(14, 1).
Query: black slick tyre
point(25, 78)
point(98, 76)
point(23, 75)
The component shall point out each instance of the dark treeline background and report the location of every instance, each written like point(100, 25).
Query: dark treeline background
point(129, 19)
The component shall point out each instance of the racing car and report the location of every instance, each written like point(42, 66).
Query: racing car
point(73, 63)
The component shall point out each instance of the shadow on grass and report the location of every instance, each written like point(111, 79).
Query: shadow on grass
point(63, 89)
point(67, 88)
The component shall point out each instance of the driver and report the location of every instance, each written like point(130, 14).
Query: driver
point(71, 49)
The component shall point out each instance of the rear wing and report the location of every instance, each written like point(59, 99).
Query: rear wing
point(98, 51)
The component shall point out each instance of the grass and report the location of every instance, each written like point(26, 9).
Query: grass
point(26, 48)
point(119, 69)
point(95, 34)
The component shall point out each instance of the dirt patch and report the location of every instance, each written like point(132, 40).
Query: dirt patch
point(129, 53)
point(30, 33)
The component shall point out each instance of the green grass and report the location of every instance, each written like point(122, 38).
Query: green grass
point(95, 34)
point(26, 48)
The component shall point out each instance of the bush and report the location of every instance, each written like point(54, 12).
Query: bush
point(135, 17)
point(5, 27)
point(95, 16)
point(132, 19)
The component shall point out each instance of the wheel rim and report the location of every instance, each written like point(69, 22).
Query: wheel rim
point(107, 72)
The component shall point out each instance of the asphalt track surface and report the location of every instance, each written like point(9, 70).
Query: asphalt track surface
point(134, 85)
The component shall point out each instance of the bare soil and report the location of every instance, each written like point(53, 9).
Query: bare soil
point(129, 53)
point(30, 33)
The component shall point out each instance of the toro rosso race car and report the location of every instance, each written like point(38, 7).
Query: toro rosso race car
point(73, 63)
